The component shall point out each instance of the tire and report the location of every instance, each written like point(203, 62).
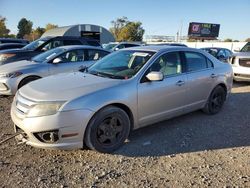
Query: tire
point(107, 130)
point(215, 101)
point(27, 80)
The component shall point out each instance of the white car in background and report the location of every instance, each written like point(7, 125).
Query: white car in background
point(114, 46)
point(241, 64)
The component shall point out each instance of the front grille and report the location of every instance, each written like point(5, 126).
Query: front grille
point(242, 75)
point(23, 105)
point(244, 62)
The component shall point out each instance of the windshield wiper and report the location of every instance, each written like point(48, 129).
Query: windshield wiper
point(107, 75)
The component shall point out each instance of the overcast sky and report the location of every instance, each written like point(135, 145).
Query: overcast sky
point(159, 17)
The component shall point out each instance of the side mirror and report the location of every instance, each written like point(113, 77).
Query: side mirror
point(155, 76)
point(57, 60)
point(44, 49)
point(237, 49)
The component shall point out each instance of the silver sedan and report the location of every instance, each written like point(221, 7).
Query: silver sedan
point(125, 90)
point(58, 60)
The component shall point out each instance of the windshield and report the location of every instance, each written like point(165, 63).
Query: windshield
point(246, 48)
point(35, 44)
point(212, 51)
point(48, 55)
point(109, 46)
point(121, 64)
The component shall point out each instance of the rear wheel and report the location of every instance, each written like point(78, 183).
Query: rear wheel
point(107, 130)
point(27, 80)
point(215, 101)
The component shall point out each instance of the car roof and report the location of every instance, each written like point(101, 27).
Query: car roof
point(157, 48)
point(72, 47)
point(214, 48)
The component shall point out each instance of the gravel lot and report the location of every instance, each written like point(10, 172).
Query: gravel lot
point(194, 150)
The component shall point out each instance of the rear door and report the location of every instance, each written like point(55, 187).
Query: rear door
point(200, 75)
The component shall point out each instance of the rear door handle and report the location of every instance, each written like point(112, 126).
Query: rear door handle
point(180, 83)
point(213, 75)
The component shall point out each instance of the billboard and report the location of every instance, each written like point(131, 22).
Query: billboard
point(203, 30)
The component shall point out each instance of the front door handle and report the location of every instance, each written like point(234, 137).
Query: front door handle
point(213, 75)
point(180, 83)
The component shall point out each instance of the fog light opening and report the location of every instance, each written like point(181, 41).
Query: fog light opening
point(48, 136)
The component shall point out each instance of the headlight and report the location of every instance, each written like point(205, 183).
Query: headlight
point(4, 57)
point(13, 74)
point(45, 109)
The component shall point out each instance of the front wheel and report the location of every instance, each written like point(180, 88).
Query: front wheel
point(215, 100)
point(107, 130)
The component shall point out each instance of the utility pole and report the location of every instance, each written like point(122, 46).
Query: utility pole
point(181, 30)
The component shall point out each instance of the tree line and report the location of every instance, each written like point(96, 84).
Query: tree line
point(121, 28)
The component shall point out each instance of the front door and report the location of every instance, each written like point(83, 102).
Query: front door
point(159, 100)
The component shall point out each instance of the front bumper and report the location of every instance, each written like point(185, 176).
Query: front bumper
point(241, 73)
point(67, 123)
point(8, 86)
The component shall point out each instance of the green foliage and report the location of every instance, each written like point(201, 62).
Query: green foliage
point(24, 28)
point(247, 40)
point(4, 32)
point(50, 26)
point(125, 30)
point(228, 40)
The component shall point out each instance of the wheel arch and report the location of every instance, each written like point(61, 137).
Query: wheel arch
point(27, 77)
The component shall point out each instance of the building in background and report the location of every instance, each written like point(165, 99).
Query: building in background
point(96, 32)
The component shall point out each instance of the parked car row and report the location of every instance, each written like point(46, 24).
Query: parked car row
point(99, 105)
point(42, 45)
point(75, 93)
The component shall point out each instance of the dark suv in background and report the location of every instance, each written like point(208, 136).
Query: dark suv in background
point(10, 40)
point(42, 45)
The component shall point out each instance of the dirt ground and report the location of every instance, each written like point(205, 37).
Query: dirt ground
point(194, 150)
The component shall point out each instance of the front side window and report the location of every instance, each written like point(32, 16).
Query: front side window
point(53, 44)
point(72, 56)
point(48, 55)
point(94, 55)
point(195, 61)
point(35, 44)
point(221, 53)
point(121, 64)
point(168, 64)
point(71, 42)
point(228, 53)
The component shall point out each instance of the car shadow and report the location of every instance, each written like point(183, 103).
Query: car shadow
point(194, 132)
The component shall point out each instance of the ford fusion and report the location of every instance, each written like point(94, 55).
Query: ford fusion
point(126, 90)
point(58, 60)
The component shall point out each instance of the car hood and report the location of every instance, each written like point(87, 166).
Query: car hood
point(17, 66)
point(65, 86)
point(242, 54)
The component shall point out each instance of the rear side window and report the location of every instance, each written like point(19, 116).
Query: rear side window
point(71, 42)
point(94, 55)
point(195, 61)
point(130, 45)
